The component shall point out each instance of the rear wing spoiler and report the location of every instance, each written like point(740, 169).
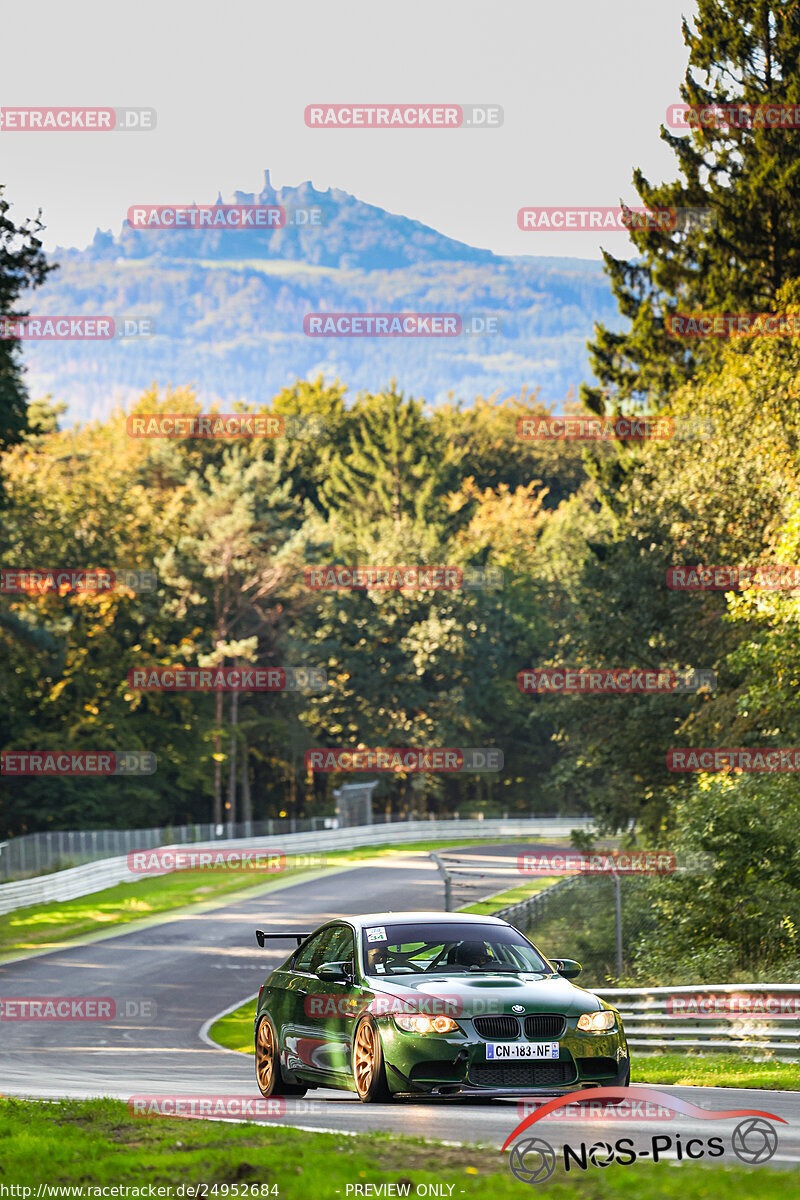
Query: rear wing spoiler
point(261, 937)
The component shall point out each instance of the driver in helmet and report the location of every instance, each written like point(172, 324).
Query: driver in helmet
point(472, 954)
point(377, 960)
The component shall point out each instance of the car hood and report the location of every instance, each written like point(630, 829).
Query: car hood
point(474, 995)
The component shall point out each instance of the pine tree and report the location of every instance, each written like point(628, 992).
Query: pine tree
point(22, 265)
point(394, 466)
point(745, 174)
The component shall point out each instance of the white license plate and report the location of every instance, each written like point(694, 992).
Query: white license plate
point(521, 1050)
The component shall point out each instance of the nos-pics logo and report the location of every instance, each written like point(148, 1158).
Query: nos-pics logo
point(533, 1159)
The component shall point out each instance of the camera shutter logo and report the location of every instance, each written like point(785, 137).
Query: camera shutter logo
point(601, 1154)
point(754, 1140)
point(532, 1161)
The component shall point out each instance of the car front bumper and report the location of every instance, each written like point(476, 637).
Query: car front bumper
point(456, 1064)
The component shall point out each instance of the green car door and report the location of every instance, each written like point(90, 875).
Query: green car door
point(320, 1015)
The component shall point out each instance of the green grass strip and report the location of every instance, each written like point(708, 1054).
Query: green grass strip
point(715, 1070)
point(95, 1143)
point(486, 908)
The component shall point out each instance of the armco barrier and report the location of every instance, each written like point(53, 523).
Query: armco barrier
point(651, 1029)
point(33, 854)
point(56, 849)
point(93, 877)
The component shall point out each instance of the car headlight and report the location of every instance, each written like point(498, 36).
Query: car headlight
point(426, 1024)
point(597, 1022)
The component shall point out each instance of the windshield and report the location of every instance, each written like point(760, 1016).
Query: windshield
point(448, 949)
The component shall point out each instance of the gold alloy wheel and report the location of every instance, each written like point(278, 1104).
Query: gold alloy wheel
point(265, 1057)
point(364, 1058)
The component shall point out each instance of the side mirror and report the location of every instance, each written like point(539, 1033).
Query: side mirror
point(567, 967)
point(333, 973)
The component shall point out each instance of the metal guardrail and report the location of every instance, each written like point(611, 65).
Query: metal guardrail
point(94, 877)
point(650, 1027)
point(34, 853)
point(58, 849)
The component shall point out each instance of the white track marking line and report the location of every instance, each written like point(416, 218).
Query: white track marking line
point(204, 1028)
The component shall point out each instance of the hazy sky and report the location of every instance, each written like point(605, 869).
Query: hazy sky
point(584, 87)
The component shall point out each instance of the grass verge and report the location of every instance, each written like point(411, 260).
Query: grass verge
point(96, 1142)
point(715, 1070)
point(235, 1032)
point(486, 908)
point(41, 926)
point(44, 925)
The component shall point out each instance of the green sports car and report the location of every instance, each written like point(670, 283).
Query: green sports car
point(408, 1004)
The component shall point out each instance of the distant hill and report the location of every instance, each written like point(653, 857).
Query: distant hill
point(228, 309)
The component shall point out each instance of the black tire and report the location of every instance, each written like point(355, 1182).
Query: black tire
point(269, 1076)
point(369, 1069)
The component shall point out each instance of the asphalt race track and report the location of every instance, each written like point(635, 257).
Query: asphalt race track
point(172, 977)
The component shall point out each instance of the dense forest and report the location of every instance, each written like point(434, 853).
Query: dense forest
point(583, 535)
point(231, 527)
